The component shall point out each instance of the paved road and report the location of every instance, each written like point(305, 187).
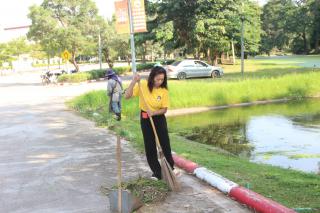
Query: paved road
point(52, 160)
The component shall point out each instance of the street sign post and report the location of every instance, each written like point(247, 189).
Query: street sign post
point(66, 56)
point(130, 18)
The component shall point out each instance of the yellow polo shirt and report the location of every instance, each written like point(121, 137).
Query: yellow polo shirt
point(155, 100)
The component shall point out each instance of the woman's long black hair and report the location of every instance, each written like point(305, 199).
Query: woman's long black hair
point(154, 72)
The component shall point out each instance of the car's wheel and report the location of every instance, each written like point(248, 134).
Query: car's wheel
point(182, 76)
point(215, 74)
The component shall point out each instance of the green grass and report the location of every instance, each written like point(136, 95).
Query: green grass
point(274, 63)
point(193, 93)
point(208, 92)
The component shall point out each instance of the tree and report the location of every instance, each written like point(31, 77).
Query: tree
point(214, 24)
point(274, 24)
point(62, 24)
point(252, 28)
point(4, 54)
point(18, 46)
point(300, 26)
point(12, 49)
point(315, 35)
point(165, 38)
point(291, 25)
point(113, 45)
point(207, 26)
point(181, 15)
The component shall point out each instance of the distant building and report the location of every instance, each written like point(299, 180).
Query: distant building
point(9, 33)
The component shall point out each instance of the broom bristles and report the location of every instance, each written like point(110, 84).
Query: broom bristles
point(168, 175)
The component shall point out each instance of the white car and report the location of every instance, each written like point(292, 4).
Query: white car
point(192, 69)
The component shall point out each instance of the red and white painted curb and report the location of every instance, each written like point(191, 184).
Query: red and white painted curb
point(242, 195)
point(215, 180)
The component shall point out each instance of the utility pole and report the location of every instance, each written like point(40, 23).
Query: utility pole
point(242, 42)
point(100, 59)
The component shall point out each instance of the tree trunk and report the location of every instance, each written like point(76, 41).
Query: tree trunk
point(208, 56)
point(317, 49)
point(152, 57)
point(73, 61)
point(214, 58)
point(107, 57)
point(128, 60)
point(233, 55)
point(305, 48)
point(48, 62)
point(317, 26)
point(317, 40)
point(144, 46)
point(197, 53)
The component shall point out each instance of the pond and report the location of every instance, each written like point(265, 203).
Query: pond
point(285, 135)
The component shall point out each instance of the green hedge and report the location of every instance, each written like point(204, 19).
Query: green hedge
point(96, 74)
point(145, 66)
point(122, 70)
point(74, 78)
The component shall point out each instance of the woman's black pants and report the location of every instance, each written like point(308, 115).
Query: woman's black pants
point(160, 123)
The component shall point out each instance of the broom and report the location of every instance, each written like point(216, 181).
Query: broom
point(166, 169)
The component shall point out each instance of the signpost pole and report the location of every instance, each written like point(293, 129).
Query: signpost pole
point(133, 51)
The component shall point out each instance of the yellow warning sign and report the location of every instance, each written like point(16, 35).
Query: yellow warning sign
point(66, 55)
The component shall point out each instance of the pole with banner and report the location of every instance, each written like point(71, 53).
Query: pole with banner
point(133, 49)
point(130, 18)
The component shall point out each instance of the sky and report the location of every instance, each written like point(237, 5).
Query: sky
point(13, 13)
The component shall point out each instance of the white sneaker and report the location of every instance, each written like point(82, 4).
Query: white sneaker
point(153, 177)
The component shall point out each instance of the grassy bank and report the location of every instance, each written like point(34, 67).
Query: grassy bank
point(292, 188)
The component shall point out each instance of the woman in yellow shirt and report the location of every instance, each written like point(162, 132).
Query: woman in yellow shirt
point(155, 93)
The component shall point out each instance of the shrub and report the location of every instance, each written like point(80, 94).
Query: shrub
point(145, 66)
point(74, 78)
point(122, 70)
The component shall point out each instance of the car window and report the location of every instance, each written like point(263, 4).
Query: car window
point(188, 64)
point(200, 64)
point(176, 63)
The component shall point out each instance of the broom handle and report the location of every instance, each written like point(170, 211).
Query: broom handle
point(119, 174)
point(150, 118)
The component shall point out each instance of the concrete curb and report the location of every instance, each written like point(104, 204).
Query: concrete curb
point(242, 195)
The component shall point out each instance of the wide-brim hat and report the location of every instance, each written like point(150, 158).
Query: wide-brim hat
point(110, 72)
